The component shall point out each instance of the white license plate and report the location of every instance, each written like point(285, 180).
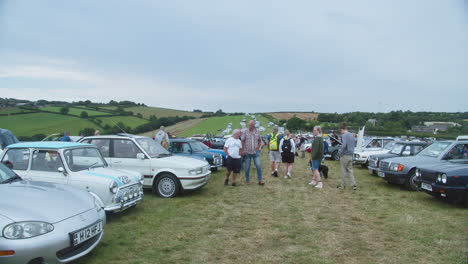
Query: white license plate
point(86, 233)
point(426, 186)
point(381, 174)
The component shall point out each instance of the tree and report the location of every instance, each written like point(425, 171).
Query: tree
point(295, 124)
point(139, 115)
point(84, 114)
point(64, 110)
point(89, 131)
point(197, 110)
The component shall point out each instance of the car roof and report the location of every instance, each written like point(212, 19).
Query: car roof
point(182, 140)
point(117, 136)
point(49, 145)
point(412, 142)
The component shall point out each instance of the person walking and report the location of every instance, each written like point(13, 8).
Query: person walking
point(302, 147)
point(162, 138)
point(66, 137)
point(252, 144)
point(233, 150)
point(317, 157)
point(346, 157)
point(274, 153)
point(287, 148)
point(297, 143)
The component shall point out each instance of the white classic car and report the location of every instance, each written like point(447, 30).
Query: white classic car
point(375, 146)
point(166, 174)
point(79, 165)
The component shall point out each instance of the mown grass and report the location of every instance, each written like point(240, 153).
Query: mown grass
point(214, 124)
point(161, 112)
point(13, 110)
point(288, 221)
point(74, 111)
point(43, 123)
point(131, 121)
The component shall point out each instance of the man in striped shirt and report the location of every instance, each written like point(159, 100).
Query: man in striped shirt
point(252, 144)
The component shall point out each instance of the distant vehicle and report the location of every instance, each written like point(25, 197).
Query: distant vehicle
point(166, 174)
point(57, 136)
point(400, 149)
point(43, 222)
point(362, 157)
point(402, 170)
point(448, 181)
point(217, 143)
point(193, 149)
point(79, 165)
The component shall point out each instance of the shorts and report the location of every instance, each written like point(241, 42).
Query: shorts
point(287, 157)
point(275, 156)
point(315, 164)
point(233, 165)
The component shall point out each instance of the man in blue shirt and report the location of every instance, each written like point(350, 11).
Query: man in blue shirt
point(66, 137)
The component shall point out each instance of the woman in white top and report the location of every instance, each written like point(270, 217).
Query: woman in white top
point(287, 149)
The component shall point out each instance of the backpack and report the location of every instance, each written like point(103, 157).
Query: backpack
point(286, 147)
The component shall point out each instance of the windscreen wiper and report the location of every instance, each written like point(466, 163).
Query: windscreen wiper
point(12, 179)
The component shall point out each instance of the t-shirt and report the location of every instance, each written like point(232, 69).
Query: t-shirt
point(233, 147)
point(160, 136)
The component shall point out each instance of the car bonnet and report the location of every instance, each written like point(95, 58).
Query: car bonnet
point(121, 177)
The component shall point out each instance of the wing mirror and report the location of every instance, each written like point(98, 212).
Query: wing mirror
point(140, 156)
point(62, 170)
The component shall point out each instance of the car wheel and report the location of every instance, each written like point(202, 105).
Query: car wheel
point(215, 169)
point(335, 155)
point(166, 186)
point(365, 165)
point(411, 181)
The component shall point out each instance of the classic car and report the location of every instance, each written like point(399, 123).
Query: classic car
point(402, 170)
point(6, 138)
point(43, 222)
point(217, 143)
point(448, 181)
point(193, 149)
point(400, 149)
point(373, 146)
point(165, 173)
point(79, 165)
point(214, 151)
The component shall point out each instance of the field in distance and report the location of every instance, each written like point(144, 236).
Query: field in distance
point(159, 112)
point(289, 115)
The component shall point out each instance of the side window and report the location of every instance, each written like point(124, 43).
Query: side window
point(103, 146)
point(459, 151)
point(46, 160)
point(386, 141)
point(186, 148)
point(416, 149)
point(124, 148)
point(17, 158)
point(406, 151)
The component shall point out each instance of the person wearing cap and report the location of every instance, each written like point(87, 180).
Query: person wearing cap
point(273, 140)
point(162, 138)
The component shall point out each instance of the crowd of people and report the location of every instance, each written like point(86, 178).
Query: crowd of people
point(245, 146)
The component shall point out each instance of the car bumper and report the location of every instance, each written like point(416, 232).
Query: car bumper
point(394, 177)
point(55, 247)
point(359, 161)
point(115, 208)
point(193, 183)
point(443, 191)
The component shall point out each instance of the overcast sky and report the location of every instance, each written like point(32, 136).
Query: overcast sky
point(249, 56)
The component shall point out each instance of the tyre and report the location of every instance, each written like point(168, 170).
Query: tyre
point(335, 155)
point(166, 186)
point(411, 181)
point(365, 165)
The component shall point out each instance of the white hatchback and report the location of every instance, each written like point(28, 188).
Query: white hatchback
point(166, 174)
point(79, 165)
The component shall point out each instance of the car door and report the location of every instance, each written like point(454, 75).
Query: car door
point(45, 166)
point(124, 156)
point(18, 161)
point(103, 145)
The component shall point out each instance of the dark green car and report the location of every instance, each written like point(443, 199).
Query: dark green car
point(191, 148)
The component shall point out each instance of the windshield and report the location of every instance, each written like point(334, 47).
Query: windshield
point(390, 145)
point(397, 148)
point(152, 148)
point(435, 149)
point(83, 158)
point(196, 146)
point(5, 174)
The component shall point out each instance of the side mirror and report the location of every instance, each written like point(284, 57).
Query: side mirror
point(140, 156)
point(62, 170)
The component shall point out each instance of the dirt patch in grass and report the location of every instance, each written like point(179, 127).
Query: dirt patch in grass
point(289, 115)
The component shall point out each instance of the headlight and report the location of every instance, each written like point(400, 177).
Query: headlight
point(23, 230)
point(444, 178)
point(439, 178)
point(417, 173)
point(142, 179)
point(98, 204)
point(196, 171)
point(397, 167)
point(113, 187)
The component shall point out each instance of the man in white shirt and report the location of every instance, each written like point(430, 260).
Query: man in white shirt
point(234, 152)
point(162, 138)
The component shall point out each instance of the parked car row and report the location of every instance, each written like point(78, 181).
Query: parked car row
point(54, 195)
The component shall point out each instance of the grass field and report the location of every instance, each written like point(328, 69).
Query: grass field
point(214, 123)
point(43, 123)
point(161, 112)
point(289, 115)
point(178, 128)
point(12, 110)
point(74, 111)
point(130, 121)
point(288, 221)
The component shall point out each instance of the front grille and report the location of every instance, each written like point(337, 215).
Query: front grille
point(429, 176)
point(132, 192)
point(72, 251)
point(218, 160)
point(384, 165)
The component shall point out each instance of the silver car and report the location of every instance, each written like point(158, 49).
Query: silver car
point(45, 222)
